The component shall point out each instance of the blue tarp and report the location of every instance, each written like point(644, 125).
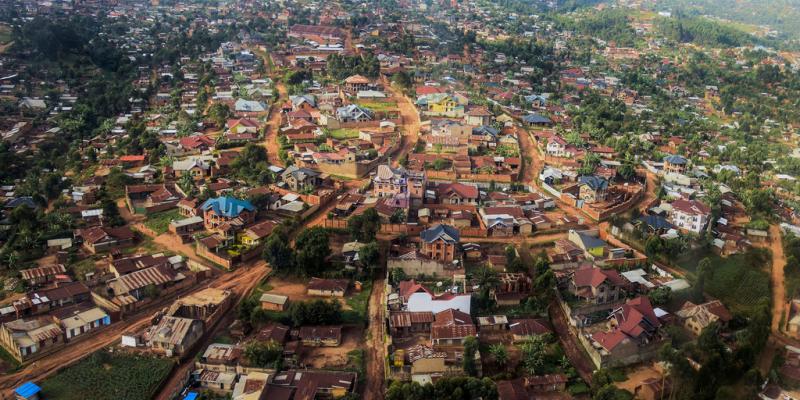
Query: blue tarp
point(27, 390)
point(190, 396)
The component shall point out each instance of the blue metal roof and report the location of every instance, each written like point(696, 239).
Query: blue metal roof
point(594, 182)
point(27, 390)
point(536, 119)
point(191, 396)
point(440, 231)
point(676, 159)
point(226, 206)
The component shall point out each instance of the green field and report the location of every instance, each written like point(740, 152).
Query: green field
point(379, 106)
point(159, 222)
point(342, 134)
point(111, 376)
point(5, 34)
point(740, 280)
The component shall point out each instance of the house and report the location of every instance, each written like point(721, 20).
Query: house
point(320, 336)
point(76, 322)
point(223, 210)
point(127, 265)
point(425, 360)
point(442, 104)
point(406, 323)
point(134, 284)
point(243, 125)
point(535, 119)
point(596, 285)
point(25, 339)
point(300, 179)
point(256, 234)
point(311, 385)
point(328, 287)
point(457, 193)
point(174, 336)
point(478, 116)
point(524, 329)
point(273, 302)
point(556, 147)
point(102, 238)
point(440, 243)
point(42, 275)
point(592, 188)
point(696, 317)
point(632, 335)
point(196, 143)
point(593, 246)
point(675, 164)
point(355, 83)
point(186, 226)
point(451, 327)
point(493, 323)
point(690, 215)
point(250, 108)
point(354, 113)
point(215, 381)
point(390, 182)
point(417, 298)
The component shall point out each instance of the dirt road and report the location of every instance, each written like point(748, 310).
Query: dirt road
point(411, 123)
point(575, 353)
point(779, 308)
point(376, 355)
point(274, 124)
point(241, 284)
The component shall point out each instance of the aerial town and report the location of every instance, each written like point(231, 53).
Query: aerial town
point(399, 199)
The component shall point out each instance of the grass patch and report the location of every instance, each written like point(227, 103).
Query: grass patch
point(82, 267)
point(358, 304)
point(111, 376)
point(343, 133)
point(5, 34)
point(356, 361)
point(159, 222)
point(9, 361)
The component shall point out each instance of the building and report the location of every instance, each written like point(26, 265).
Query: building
point(592, 188)
point(42, 275)
point(450, 327)
point(690, 215)
point(320, 336)
point(406, 323)
point(633, 335)
point(273, 302)
point(596, 285)
point(328, 287)
point(174, 335)
point(25, 339)
point(524, 329)
point(457, 193)
point(300, 179)
point(102, 238)
point(390, 182)
point(675, 164)
point(221, 210)
point(440, 243)
point(78, 322)
point(696, 317)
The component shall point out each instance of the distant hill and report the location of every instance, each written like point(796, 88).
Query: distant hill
point(782, 15)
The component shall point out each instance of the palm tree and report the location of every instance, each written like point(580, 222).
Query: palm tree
point(500, 354)
point(486, 279)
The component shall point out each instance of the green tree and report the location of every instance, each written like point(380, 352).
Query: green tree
point(470, 349)
point(312, 248)
point(364, 227)
point(534, 354)
point(500, 354)
point(369, 255)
